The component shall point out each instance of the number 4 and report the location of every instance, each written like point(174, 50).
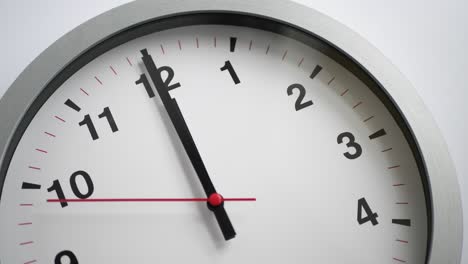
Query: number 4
point(371, 216)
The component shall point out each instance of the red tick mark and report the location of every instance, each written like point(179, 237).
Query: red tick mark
point(402, 241)
point(358, 104)
point(26, 204)
point(49, 134)
point(24, 224)
point(34, 168)
point(399, 260)
point(84, 91)
point(97, 79)
point(112, 68)
point(41, 150)
point(59, 118)
point(129, 62)
point(26, 243)
point(31, 261)
point(284, 55)
point(300, 62)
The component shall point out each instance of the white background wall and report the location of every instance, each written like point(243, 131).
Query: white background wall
point(426, 39)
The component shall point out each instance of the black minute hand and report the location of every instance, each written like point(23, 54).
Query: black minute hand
point(183, 132)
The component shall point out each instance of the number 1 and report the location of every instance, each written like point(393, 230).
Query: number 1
point(232, 72)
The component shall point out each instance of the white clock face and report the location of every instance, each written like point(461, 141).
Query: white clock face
point(323, 169)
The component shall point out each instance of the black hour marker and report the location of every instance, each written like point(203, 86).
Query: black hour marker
point(316, 71)
point(30, 186)
point(72, 105)
point(233, 44)
point(377, 134)
point(405, 222)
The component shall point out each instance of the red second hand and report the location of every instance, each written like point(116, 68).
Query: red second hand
point(214, 199)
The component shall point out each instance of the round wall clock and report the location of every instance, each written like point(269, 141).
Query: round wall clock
point(221, 132)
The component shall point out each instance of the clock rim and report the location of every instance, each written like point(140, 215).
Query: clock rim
point(447, 228)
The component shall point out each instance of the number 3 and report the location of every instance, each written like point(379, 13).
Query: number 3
point(351, 144)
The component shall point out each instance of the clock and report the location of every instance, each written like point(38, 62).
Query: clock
point(221, 132)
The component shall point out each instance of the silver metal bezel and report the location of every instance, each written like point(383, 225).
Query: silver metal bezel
point(447, 212)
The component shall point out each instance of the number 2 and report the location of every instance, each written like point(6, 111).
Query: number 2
point(302, 91)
